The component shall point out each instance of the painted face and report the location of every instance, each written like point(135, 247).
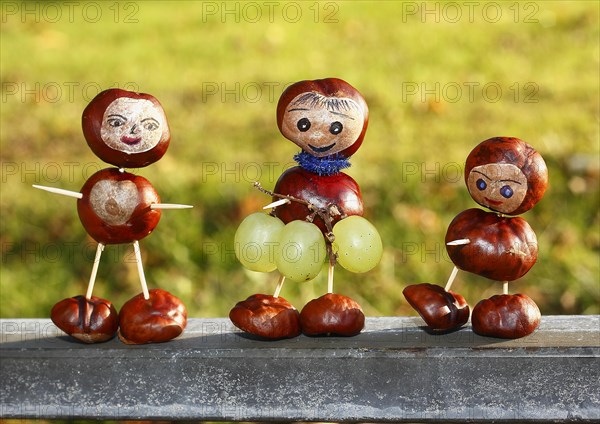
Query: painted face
point(498, 186)
point(321, 125)
point(131, 125)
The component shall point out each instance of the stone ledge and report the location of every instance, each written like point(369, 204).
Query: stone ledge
point(393, 371)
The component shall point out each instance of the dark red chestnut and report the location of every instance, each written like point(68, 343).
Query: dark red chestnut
point(441, 310)
point(332, 314)
point(507, 316)
point(324, 117)
point(126, 129)
point(506, 175)
point(115, 207)
point(158, 319)
point(267, 317)
point(321, 191)
point(500, 248)
point(91, 320)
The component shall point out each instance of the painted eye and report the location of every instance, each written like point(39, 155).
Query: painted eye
point(481, 185)
point(115, 122)
point(303, 124)
point(506, 192)
point(336, 127)
point(150, 125)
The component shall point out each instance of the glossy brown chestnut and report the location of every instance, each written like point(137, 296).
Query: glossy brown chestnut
point(507, 316)
point(159, 319)
point(321, 191)
point(441, 310)
point(512, 151)
point(330, 88)
point(501, 248)
point(115, 207)
point(92, 121)
point(332, 314)
point(91, 320)
point(267, 317)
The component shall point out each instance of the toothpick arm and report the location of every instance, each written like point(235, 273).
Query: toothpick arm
point(69, 193)
point(459, 242)
point(277, 203)
point(169, 206)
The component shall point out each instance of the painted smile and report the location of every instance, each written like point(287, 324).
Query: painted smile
point(321, 149)
point(493, 202)
point(131, 140)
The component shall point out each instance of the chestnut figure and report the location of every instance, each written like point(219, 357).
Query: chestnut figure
point(328, 120)
point(508, 176)
point(125, 129)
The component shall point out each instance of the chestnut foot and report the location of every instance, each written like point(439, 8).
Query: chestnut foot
point(332, 314)
point(91, 320)
point(441, 310)
point(266, 316)
point(507, 316)
point(158, 319)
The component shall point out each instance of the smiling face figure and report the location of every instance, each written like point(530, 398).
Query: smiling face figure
point(320, 125)
point(323, 117)
point(131, 125)
point(125, 128)
point(506, 175)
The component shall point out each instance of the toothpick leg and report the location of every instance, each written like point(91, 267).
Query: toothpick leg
point(140, 267)
point(279, 286)
point(330, 277)
point(451, 278)
point(90, 288)
point(505, 287)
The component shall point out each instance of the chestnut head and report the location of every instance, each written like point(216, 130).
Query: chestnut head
point(323, 117)
point(506, 174)
point(126, 129)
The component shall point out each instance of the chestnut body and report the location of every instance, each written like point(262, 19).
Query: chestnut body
point(322, 191)
point(501, 248)
point(115, 207)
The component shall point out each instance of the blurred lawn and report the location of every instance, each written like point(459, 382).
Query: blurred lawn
point(219, 81)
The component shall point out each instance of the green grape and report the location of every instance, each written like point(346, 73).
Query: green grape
point(301, 251)
point(255, 241)
point(357, 244)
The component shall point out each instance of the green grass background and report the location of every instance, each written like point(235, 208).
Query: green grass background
point(219, 77)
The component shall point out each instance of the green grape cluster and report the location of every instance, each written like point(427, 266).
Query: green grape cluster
point(298, 249)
